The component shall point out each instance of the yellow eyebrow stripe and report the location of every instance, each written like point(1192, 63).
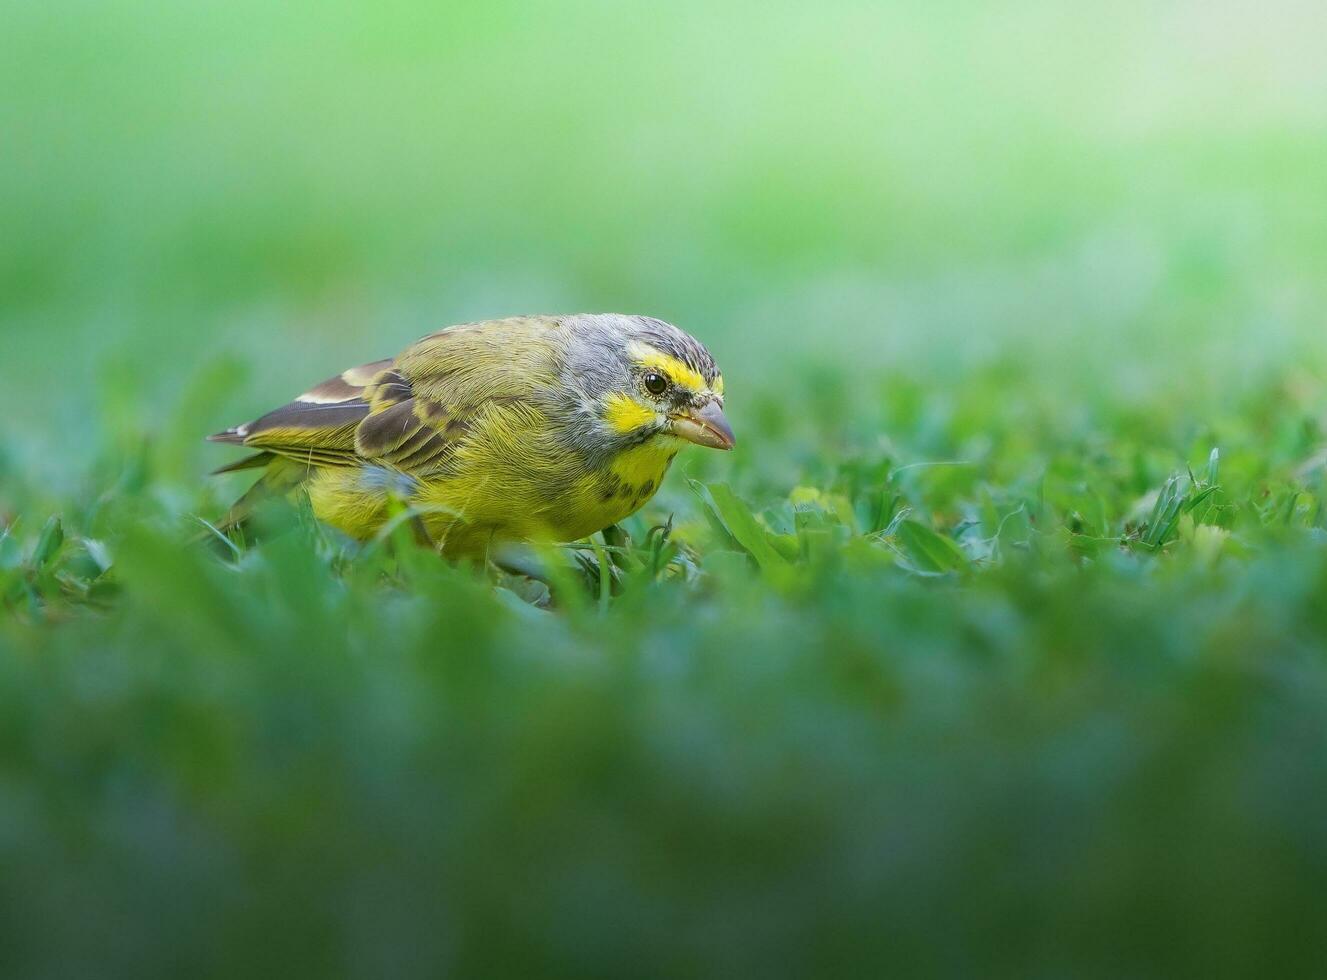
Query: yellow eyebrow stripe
point(670, 367)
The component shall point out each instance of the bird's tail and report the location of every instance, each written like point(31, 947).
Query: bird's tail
point(281, 477)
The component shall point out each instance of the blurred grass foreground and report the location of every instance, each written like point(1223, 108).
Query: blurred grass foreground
point(999, 647)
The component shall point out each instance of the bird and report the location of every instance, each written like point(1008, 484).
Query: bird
point(524, 429)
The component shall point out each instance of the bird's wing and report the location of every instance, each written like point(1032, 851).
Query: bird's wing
point(448, 384)
point(319, 426)
point(410, 412)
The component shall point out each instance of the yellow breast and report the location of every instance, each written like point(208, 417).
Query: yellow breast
point(610, 496)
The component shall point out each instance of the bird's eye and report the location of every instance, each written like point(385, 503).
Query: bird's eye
point(655, 384)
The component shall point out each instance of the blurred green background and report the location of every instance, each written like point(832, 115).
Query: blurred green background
point(1037, 711)
point(1134, 188)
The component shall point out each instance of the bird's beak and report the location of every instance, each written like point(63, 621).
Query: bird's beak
point(705, 427)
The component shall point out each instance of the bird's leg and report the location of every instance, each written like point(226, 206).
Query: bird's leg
point(615, 536)
point(558, 569)
point(519, 558)
point(422, 536)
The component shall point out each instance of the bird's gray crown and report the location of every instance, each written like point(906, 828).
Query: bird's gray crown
point(617, 331)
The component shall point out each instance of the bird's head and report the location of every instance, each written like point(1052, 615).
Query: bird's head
point(645, 379)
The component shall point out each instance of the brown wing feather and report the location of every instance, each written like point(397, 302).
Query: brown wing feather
point(385, 430)
point(318, 427)
point(415, 436)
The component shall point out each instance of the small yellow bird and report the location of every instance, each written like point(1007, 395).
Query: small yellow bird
point(533, 428)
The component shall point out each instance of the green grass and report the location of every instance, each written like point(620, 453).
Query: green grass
point(1021, 696)
point(998, 647)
